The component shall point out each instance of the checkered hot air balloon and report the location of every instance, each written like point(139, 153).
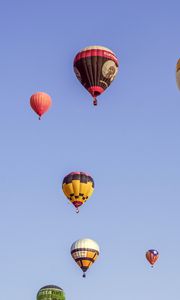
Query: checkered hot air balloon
point(85, 252)
point(95, 67)
point(78, 188)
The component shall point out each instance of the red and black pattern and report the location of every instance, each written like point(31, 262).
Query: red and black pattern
point(95, 67)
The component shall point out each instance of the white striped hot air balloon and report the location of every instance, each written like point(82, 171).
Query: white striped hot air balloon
point(85, 252)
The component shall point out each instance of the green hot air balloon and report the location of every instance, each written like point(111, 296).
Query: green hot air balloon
point(51, 292)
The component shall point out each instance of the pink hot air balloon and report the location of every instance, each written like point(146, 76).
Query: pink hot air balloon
point(40, 103)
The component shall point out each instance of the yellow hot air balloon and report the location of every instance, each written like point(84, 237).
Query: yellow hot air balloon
point(178, 73)
point(85, 252)
point(78, 187)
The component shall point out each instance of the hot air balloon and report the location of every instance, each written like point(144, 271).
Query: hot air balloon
point(178, 73)
point(51, 292)
point(85, 252)
point(152, 256)
point(95, 67)
point(78, 187)
point(40, 103)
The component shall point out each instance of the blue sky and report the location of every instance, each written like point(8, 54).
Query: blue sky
point(129, 144)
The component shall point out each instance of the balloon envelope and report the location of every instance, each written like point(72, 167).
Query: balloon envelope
point(40, 103)
point(96, 67)
point(51, 292)
point(152, 256)
point(78, 187)
point(178, 73)
point(85, 252)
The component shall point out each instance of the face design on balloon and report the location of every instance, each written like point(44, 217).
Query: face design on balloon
point(109, 70)
point(78, 75)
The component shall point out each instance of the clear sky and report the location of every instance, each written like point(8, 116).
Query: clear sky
point(129, 143)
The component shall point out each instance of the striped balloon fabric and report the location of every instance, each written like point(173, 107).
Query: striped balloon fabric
point(85, 252)
point(95, 67)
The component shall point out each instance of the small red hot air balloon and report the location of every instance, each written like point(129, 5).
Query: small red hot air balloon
point(152, 256)
point(40, 103)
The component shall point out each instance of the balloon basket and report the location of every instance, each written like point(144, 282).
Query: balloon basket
point(95, 102)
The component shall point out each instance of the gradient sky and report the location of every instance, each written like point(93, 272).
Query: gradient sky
point(129, 143)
